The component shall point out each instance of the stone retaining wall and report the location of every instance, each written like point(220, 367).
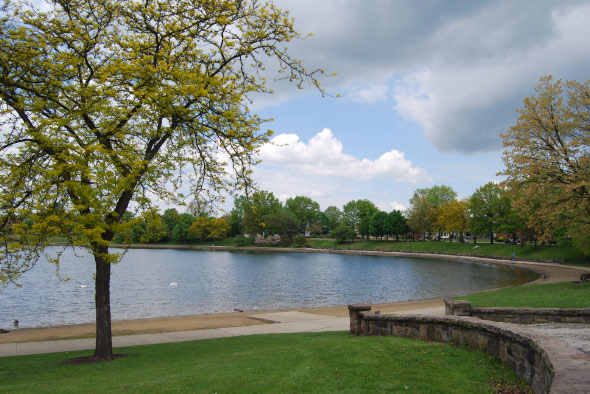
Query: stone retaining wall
point(561, 369)
point(518, 315)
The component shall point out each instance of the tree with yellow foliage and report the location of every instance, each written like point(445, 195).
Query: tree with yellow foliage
point(107, 104)
point(453, 216)
point(218, 228)
point(199, 228)
point(547, 160)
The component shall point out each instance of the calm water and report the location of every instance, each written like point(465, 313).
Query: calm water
point(215, 282)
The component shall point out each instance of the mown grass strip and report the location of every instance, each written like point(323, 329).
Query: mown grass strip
point(565, 254)
point(551, 295)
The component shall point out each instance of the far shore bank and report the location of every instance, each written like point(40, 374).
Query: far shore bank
point(549, 273)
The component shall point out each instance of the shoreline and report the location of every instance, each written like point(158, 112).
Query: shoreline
point(191, 322)
point(548, 270)
point(549, 273)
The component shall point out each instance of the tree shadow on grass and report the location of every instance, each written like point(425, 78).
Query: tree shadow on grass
point(85, 360)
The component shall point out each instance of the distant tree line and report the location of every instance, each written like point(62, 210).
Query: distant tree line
point(153, 227)
point(433, 212)
point(264, 214)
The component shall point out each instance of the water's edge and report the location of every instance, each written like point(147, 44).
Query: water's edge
point(535, 266)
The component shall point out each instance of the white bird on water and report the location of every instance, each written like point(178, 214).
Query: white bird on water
point(173, 284)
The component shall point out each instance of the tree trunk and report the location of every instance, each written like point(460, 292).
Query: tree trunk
point(491, 236)
point(104, 336)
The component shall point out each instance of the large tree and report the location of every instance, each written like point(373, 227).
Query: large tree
point(199, 228)
point(489, 208)
point(424, 209)
point(149, 228)
point(106, 104)
point(180, 231)
point(256, 207)
point(453, 216)
point(333, 216)
point(547, 160)
point(236, 217)
point(377, 227)
point(396, 224)
point(357, 214)
point(305, 210)
point(282, 222)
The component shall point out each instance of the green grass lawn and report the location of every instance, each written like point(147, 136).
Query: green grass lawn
point(552, 295)
point(567, 254)
point(286, 363)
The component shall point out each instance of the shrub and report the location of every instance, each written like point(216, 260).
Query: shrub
point(299, 241)
point(343, 233)
point(240, 241)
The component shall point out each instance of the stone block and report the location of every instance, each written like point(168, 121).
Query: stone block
point(457, 308)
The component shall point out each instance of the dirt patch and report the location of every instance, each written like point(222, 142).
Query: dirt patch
point(188, 323)
point(131, 327)
point(91, 360)
point(342, 311)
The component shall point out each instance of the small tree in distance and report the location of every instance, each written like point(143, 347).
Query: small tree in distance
point(218, 228)
point(199, 228)
point(488, 207)
point(377, 224)
point(343, 233)
point(454, 217)
point(396, 224)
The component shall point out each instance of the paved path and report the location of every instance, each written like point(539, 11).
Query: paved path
point(281, 323)
point(576, 335)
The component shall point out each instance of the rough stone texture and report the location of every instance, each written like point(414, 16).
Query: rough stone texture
point(548, 364)
point(518, 315)
point(457, 308)
point(355, 318)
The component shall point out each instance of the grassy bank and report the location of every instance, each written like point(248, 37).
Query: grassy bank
point(563, 254)
point(289, 363)
point(552, 295)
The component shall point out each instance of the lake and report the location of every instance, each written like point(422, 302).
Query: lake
point(170, 282)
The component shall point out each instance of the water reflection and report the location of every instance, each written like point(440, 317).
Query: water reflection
point(214, 282)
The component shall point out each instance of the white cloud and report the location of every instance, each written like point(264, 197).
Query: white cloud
point(465, 107)
point(370, 94)
point(389, 206)
point(397, 206)
point(323, 155)
point(472, 63)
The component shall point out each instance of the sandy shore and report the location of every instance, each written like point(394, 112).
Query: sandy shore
point(550, 273)
point(186, 323)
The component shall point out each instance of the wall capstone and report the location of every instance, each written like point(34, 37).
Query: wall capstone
point(355, 318)
point(518, 315)
point(457, 308)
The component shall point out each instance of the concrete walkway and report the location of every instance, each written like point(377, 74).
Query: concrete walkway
point(280, 323)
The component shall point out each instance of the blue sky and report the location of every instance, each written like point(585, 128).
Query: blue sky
point(426, 89)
